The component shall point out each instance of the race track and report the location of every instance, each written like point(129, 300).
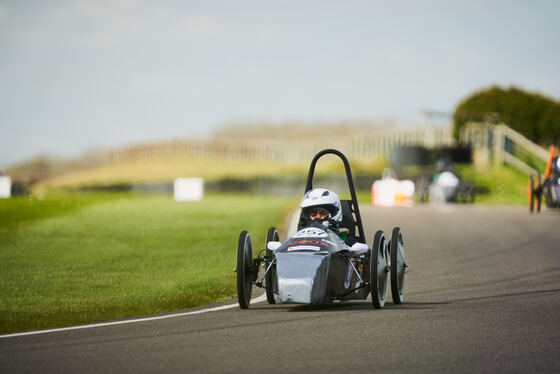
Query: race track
point(482, 295)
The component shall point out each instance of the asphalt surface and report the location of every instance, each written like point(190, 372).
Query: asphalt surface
point(482, 295)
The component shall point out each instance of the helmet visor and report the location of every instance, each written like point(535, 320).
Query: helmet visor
point(318, 213)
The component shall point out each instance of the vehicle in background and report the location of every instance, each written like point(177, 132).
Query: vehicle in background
point(549, 186)
point(445, 186)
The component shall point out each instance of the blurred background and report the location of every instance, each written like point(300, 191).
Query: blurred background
point(88, 84)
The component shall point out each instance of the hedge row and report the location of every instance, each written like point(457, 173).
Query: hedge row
point(532, 114)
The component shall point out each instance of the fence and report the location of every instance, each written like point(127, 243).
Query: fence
point(500, 144)
point(362, 145)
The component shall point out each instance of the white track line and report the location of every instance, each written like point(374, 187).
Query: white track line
point(223, 307)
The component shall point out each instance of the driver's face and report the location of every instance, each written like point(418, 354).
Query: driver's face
point(318, 213)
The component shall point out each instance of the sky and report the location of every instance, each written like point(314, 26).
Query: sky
point(83, 75)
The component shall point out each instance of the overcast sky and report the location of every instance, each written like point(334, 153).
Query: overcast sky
point(77, 75)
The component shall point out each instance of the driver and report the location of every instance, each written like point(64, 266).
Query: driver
point(322, 206)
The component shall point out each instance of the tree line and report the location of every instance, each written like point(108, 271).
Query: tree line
point(532, 114)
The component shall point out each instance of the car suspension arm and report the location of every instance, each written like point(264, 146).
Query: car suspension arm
point(259, 282)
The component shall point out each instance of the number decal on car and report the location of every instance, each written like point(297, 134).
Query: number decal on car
point(308, 241)
point(311, 233)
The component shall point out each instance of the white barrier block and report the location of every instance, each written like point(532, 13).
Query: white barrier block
point(188, 189)
point(5, 187)
point(391, 192)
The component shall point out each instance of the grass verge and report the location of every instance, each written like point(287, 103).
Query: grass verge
point(74, 259)
point(166, 170)
point(496, 184)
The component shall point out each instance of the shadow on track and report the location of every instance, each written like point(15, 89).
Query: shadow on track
point(352, 306)
point(505, 295)
point(366, 306)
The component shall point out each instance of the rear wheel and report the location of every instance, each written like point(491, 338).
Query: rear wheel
point(244, 270)
point(530, 192)
point(378, 270)
point(538, 193)
point(468, 192)
point(396, 248)
point(270, 278)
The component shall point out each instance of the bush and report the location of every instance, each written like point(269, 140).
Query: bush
point(535, 116)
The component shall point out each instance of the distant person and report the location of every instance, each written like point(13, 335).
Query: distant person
point(441, 165)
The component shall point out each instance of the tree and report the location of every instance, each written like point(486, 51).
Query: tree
point(535, 116)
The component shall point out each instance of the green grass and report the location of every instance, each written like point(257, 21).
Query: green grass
point(496, 184)
point(493, 184)
point(74, 259)
point(530, 159)
point(211, 169)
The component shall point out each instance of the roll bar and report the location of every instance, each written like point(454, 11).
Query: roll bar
point(354, 207)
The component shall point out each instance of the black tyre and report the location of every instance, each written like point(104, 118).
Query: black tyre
point(538, 193)
point(530, 193)
point(270, 279)
point(469, 192)
point(244, 270)
point(423, 190)
point(378, 270)
point(398, 266)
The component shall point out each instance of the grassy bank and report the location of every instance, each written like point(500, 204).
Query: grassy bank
point(165, 171)
point(73, 259)
point(496, 184)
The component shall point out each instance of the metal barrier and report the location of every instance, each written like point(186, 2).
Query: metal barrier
point(362, 145)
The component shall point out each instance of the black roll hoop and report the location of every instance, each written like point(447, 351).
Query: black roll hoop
point(309, 185)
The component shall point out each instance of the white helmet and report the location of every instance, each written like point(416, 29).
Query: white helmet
point(322, 198)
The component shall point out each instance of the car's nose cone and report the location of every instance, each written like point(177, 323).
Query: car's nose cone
point(302, 276)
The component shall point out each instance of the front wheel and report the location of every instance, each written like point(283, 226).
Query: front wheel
point(244, 270)
point(378, 270)
point(270, 278)
point(398, 266)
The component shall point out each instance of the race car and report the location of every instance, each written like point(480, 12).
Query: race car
point(315, 266)
point(445, 186)
point(549, 187)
